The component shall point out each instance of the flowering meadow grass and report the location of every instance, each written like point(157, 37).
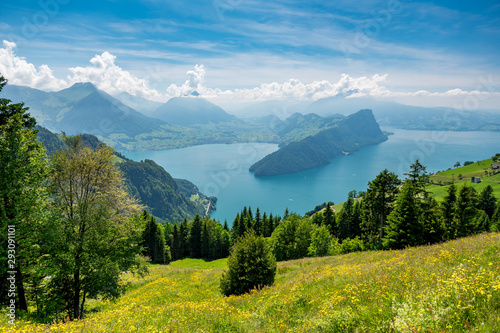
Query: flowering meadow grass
point(450, 287)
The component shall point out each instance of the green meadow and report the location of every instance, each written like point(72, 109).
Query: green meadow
point(449, 287)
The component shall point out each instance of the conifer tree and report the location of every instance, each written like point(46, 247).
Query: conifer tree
point(345, 220)
point(205, 241)
point(487, 201)
point(176, 243)
point(317, 219)
point(466, 210)
point(378, 204)
point(251, 264)
point(235, 228)
point(195, 237)
point(271, 225)
point(449, 212)
point(329, 220)
point(183, 241)
point(258, 223)
point(265, 225)
point(403, 226)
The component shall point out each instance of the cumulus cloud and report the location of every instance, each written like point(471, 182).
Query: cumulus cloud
point(107, 76)
point(194, 82)
point(296, 90)
point(19, 72)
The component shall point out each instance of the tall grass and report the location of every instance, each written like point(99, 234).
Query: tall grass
point(450, 287)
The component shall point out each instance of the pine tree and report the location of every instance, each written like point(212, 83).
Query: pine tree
point(176, 243)
point(378, 204)
point(251, 265)
point(235, 228)
point(345, 220)
point(356, 219)
point(205, 241)
point(271, 225)
point(466, 211)
point(258, 223)
point(317, 219)
point(403, 226)
point(487, 201)
point(195, 237)
point(184, 239)
point(449, 213)
point(329, 220)
point(265, 225)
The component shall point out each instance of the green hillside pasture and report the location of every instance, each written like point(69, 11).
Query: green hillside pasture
point(450, 287)
point(476, 169)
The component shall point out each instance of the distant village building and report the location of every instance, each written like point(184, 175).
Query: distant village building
point(475, 180)
point(495, 166)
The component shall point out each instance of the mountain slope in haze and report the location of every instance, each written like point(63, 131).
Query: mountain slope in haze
point(140, 104)
point(82, 108)
point(167, 198)
point(187, 111)
point(351, 134)
point(410, 117)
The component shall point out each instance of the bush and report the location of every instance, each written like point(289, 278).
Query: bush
point(251, 264)
point(335, 247)
point(352, 245)
point(320, 242)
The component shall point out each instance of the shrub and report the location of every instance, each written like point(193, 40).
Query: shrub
point(352, 245)
point(251, 264)
point(320, 242)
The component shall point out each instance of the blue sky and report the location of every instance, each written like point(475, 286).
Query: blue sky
point(414, 46)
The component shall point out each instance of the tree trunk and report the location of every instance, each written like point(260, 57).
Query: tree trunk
point(83, 304)
point(23, 305)
point(76, 296)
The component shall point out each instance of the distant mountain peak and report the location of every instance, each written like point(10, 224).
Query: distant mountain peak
point(195, 93)
point(191, 110)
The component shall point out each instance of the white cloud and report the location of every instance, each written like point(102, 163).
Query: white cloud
point(296, 90)
point(19, 72)
point(195, 82)
point(107, 76)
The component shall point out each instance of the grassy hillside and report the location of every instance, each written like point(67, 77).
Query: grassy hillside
point(451, 287)
point(481, 169)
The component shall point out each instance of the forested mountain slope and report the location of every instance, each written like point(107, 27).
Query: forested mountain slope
point(148, 182)
point(351, 134)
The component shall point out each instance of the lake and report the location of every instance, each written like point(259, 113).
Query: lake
point(221, 170)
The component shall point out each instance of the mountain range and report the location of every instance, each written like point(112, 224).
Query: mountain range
point(192, 120)
point(186, 111)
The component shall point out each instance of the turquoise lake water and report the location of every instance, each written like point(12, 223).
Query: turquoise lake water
point(222, 170)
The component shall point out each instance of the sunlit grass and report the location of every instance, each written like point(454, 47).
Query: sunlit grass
point(450, 287)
